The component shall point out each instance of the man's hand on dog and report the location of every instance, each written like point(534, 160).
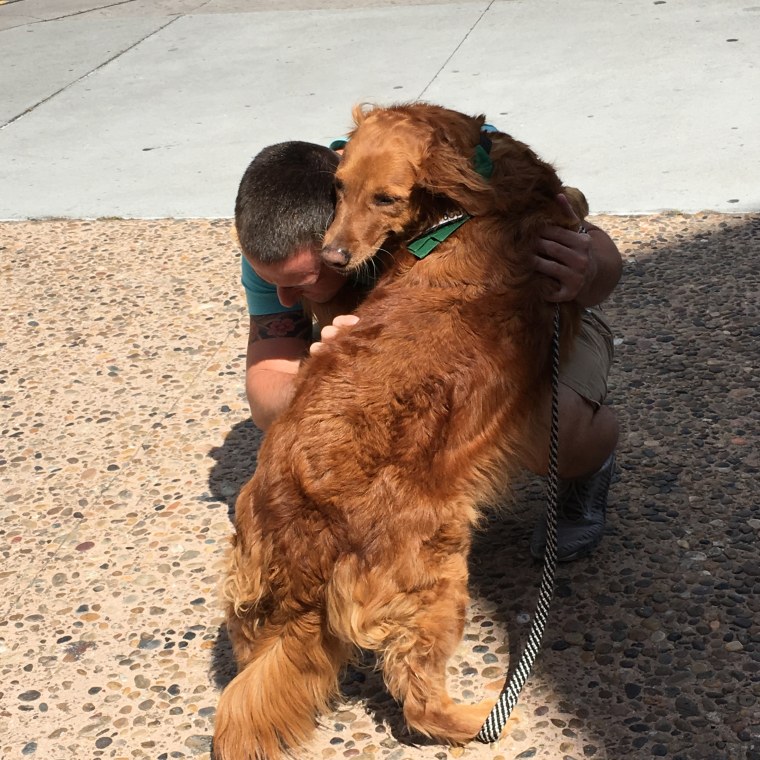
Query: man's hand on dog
point(341, 322)
point(566, 257)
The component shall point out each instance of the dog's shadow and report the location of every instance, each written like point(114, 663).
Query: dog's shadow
point(234, 463)
point(502, 577)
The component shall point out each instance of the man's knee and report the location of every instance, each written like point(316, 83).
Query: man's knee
point(587, 435)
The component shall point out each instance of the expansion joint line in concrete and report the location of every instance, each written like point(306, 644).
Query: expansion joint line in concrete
point(454, 51)
point(87, 74)
point(65, 15)
point(70, 15)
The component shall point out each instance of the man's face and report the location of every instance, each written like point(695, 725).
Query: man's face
point(301, 275)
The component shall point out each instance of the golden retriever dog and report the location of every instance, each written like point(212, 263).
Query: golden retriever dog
point(354, 531)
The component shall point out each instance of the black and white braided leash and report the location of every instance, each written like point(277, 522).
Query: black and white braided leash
point(499, 716)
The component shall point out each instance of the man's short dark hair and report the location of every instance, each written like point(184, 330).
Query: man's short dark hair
point(285, 200)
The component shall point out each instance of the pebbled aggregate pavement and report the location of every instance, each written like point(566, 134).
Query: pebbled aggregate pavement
point(124, 439)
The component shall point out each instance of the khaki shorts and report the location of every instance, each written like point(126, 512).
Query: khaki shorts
point(587, 368)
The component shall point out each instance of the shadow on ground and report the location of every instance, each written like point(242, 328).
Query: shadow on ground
point(234, 463)
point(654, 641)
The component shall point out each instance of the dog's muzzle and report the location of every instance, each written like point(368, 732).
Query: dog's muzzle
point(336, 257)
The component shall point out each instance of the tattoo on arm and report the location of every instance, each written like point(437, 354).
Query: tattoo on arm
point(289, 324)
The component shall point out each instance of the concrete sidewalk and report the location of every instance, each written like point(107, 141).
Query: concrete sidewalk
point(139, 109)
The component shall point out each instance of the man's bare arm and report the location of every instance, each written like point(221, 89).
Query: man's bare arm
point(276, 345)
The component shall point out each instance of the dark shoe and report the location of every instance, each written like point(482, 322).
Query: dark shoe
point(580, 516)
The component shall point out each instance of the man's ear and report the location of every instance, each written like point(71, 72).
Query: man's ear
point(234, 235)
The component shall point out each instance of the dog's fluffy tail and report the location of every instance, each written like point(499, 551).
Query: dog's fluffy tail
point(272, 704)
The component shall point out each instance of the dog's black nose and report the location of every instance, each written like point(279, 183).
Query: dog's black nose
point(335, 256)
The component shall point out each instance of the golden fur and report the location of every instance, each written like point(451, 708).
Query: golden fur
point(355, 529)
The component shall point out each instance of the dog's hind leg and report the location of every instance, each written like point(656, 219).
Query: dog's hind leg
point(414, 664)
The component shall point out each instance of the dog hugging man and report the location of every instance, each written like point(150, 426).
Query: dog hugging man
point(284, 204)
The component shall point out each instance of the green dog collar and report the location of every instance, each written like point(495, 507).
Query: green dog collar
point(425, 243)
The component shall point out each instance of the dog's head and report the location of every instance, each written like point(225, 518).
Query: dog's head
point(403, 168)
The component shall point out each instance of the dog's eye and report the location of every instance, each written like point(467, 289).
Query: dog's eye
point(382, 199)
point(338, 186)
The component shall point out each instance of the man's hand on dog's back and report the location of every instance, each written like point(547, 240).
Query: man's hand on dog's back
point(585, 265)
point(328, 333)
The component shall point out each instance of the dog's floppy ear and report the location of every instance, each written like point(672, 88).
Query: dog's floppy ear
point(448, 169)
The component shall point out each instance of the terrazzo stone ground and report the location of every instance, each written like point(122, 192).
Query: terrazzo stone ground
point(125, 439)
